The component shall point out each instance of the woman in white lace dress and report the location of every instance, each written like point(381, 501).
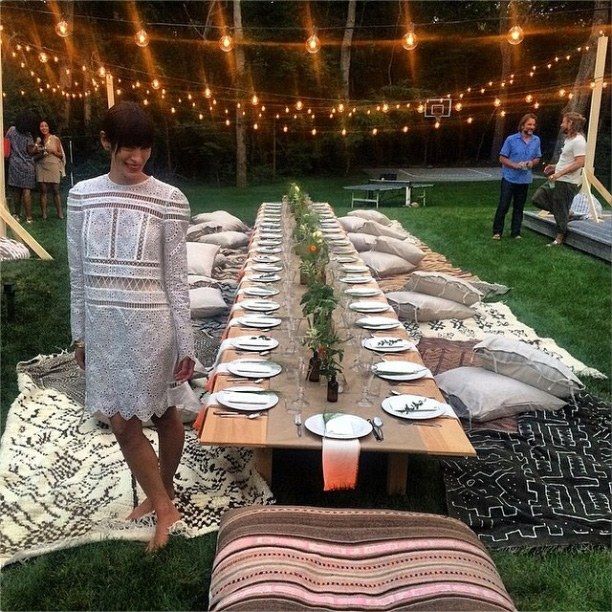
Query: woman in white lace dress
point(130, 305)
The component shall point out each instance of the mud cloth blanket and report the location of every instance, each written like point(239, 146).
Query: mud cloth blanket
point(63, 481)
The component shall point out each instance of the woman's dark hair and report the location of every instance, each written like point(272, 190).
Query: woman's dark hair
point(127, 125)
point(27, 122)
point(49, 123)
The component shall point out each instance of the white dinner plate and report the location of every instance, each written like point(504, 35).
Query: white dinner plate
point(378, 323)
point(260, 305)
point(266, 267)
point(369, 306)
point(260, 291)
point(388, 344)
point(247, 402)
point(359, 427)
point(264, 277)
point(258, 321)
point(269, 233)
point(268, 249)
point(340, 240)
point(356, 280)
point(413, 407)
point(254, 343)
point(269, 241)
point(399, 370)
point(355, 268)
point(266, 258)
point(362, 291)
point(254, 368)
point(344, 259)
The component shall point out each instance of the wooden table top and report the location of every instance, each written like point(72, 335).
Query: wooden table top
point(276, 427)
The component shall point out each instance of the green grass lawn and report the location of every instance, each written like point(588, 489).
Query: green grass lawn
point(561, 293)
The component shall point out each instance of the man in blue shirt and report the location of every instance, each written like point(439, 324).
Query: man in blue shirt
point(520, 153)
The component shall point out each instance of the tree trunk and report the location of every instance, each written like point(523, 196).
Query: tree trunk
point(241, 160)
point(582, 91)
point(506, 54)
point(345, 50)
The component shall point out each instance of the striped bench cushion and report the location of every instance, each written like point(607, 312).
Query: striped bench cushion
point(301, 558)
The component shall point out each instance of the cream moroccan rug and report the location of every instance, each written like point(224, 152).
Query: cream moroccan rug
point(63, 481)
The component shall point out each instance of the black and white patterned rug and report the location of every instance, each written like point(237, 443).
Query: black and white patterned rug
point(546, 486)
point(63, 480)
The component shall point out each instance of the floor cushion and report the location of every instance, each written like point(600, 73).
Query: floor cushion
point(445, 286)
point(528, 364)
point(206, 302)
point(483, 395)
point(227, 221)
point(226, 240)
point(377, 229)
point(306, 558)
point(351, 224)
point(362, 242)
point(371, 215)
point(401, 248)
point(385, 264)
point(201, 258)
point(420, 307)
point(195, 232)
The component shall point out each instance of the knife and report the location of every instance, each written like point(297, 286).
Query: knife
point(375, 430)
point(297, 419)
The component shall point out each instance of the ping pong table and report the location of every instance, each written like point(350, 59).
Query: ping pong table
point(374, 189)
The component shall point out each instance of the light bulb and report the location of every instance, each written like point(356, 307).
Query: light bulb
point(299, 105)
point(285, 128)
point(497, 102)
point(254, 100)
point(62, 29)
point(313, 44)
point(405, 129)
point(314, 131)
point(226, 43)
point(102, 71)
point(409, 40)
point(43, 57)
point(155, 84)
point(437, 124)
point(207, 92)
point(141, 38)
point(343, 132)
point(515, 35)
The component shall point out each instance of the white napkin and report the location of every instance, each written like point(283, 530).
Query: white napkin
point(183, 395)
point(341, 425)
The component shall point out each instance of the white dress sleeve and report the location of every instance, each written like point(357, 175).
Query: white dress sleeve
point(75, 262)
point(176, 222)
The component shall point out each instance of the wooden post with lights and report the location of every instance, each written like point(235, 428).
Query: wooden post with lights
point(5, 215)
point(588, 174)
point(110, 90)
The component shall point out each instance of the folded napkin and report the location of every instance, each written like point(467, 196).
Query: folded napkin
point(340, 457)
point(183, 395)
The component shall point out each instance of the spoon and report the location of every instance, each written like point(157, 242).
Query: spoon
point(377, 422)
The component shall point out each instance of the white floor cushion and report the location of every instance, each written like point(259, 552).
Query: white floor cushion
point(445, 286)
point(401, 248)
point(201, 258)
point(226, 240)
point(351, 224)
point(420, 307)
point(377, 229)
point(484, 395)
point(385, 264)
point(206, 302)
point(371, 215)
point(227, 221)
point(528, 364)
point(362, 242)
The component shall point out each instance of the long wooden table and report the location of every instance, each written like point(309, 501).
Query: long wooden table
point(276, 428)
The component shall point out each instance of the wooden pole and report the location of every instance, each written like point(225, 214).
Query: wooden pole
point(589, 161)
point(2, 178)
point(110, 90)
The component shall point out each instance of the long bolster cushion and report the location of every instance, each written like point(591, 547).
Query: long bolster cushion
point(413, 306)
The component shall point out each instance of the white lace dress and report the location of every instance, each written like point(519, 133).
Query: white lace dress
point(129, 292)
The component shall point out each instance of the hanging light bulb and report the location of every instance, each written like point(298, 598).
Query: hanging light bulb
point(496, 102)
point(405, 129)
point(515, 35)
point(142, 38)
point(313, 44)
point(226, 43)
point(470, 119)
point(343, 132)
point(285, 128)
point(102, 71)
point(62, 29)
point(254, 100)
point(528, 98)
point(314, 131)
point(299, 105)
point(409, 40)
point(437, 124)
point(207, 92)
point(43, 57)
point(155, 84)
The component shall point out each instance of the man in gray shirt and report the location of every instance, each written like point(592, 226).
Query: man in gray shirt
point(565, 177)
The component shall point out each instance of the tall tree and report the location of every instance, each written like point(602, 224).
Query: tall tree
point(345, 50)
point(241, 153)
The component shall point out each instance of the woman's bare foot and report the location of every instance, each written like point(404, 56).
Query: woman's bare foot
point(165, 520)
point(145, 507)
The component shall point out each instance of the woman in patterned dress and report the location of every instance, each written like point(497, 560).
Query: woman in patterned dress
point(49, 168)
point(21, 174)
point(130, 313)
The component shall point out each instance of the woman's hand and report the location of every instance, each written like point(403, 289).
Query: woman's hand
point(184, 370)
point(79, 356)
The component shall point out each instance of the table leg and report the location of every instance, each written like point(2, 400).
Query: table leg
point(397, 473)
point(263, 463)
point(408, 195)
